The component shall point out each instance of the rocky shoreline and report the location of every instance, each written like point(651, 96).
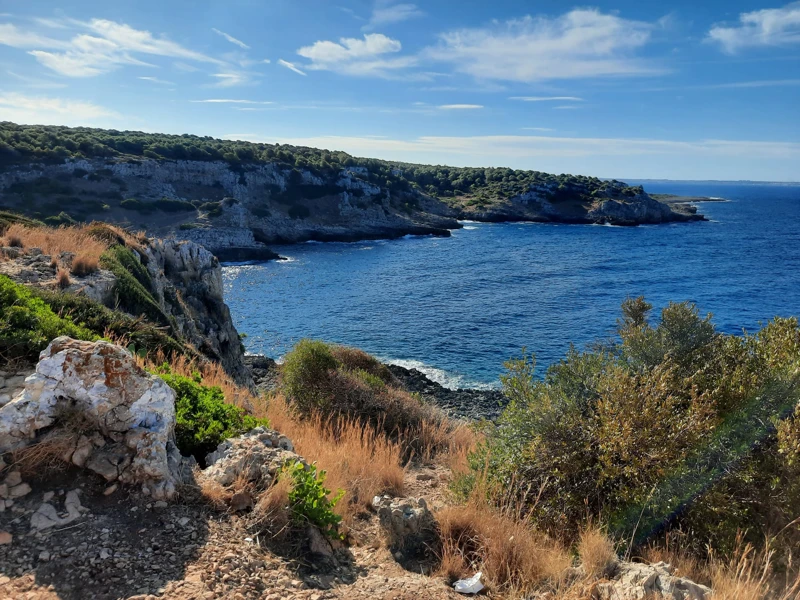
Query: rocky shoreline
point(463, 403)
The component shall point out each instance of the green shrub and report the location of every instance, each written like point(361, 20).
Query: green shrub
point(305, 374)
point(101, 321)
point(202, 418)
point(309, 499)
point(672, 426)
point(171, 205)
point(133, 287)
point(28, 324)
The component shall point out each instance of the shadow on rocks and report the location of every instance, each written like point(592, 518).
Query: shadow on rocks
point(113, 543)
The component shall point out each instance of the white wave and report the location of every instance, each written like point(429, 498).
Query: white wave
point(469, 228)
point(444, 378)
point(468, 221)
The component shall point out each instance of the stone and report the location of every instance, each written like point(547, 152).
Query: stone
point(110, 489)
point(5, 538)
point(161, 504)
point(18, 491)
point(47, 496)
point(46, 515)
point(636, 581)
point(133, 413)
point(318, 544)
point(13, 478)
point(254, 457)
point(408, 524)
point(3, 490)
point(44, 556)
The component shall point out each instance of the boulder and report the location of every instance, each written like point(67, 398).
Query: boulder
point(636, 581)
point(254, 457)
point(126, 415)
point(409, 525)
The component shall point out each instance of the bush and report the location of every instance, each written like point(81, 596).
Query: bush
point(309, 499)
point(202, 418)
point(171, 205)
point(655, 431)
point(133, 286)
point(335, 381)
point(84, 265)
point(28, 324)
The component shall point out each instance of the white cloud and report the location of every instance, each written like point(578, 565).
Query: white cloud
point(182, 66)
point(157, 80)
point(11, 35)
point(231, 39)
point(266, 61)
point(460, 106)
point(386, 12)
point(566, 107)
point(547, 98)
point(40, 110)
point(359, 57)
point(228, 101)
point(581, 43)
point(231, 79)
point(767, 27)
point(108, 45)
point(290, 66)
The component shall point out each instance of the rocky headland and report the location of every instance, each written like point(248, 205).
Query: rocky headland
point(237, 199)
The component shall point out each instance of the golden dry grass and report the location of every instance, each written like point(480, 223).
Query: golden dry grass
point(62, 278)
point(514, 558)
point(53, 241)
point(356, 457)
point(597, 552)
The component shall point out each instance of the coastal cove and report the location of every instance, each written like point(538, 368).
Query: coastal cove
point(458, 307)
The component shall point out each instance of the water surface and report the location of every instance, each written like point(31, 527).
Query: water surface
point(461, 306)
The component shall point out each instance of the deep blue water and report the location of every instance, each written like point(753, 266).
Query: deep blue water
point(463, 305)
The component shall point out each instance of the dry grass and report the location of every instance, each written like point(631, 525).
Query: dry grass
point(83, 265)
point(272, 509)
point(53, 241)
point(749, 576)
point(356, 457)
point(48, 452)
point(597, 553)
point(62, 278)
point(514, 558)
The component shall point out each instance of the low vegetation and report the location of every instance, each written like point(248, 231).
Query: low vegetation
point(310, 501)
point(28, 324)
point(203, 419)
point(676, 426)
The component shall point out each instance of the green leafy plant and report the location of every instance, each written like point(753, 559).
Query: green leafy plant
point(28, 324)
point(202, 418)
point(309, 498)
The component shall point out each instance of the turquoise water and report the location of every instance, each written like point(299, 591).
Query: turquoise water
point(459, 307)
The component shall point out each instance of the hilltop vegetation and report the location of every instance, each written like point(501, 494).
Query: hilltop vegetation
point(21, 144)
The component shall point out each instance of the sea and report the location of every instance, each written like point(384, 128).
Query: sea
point(457, 308)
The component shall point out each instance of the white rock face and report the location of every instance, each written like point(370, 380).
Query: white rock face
point(635, 581)
point(408, 523)
point(133, 413)
point(255, 456)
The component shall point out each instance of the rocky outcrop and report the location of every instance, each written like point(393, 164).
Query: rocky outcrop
point(409, 526)
point(187, 282)
point(255, 457)
point(636, 581)
point(119, 419)
point(465, 403)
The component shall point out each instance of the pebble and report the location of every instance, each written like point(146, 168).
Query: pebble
point(110, 490)
point(161, 504)
point(44, 556)
point(5, 538)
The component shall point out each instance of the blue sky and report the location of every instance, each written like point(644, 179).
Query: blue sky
point(680, 90)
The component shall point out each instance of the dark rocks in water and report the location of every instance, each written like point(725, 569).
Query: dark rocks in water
point(264, 370)
point(464, 403)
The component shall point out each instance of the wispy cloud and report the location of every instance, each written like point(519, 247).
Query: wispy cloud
point(767, 27)
point(460, 107)
point(231, 79)
point(758, 83)
point(582, 43)
point(107, 45)
point(35, 82)
point(291, 67)
point(229, 101)
point(372, 56)
point(157, 80)
point(230, 38)
point(566, 107)
point(547, 98)
point(42, 110)
point(387, 12)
